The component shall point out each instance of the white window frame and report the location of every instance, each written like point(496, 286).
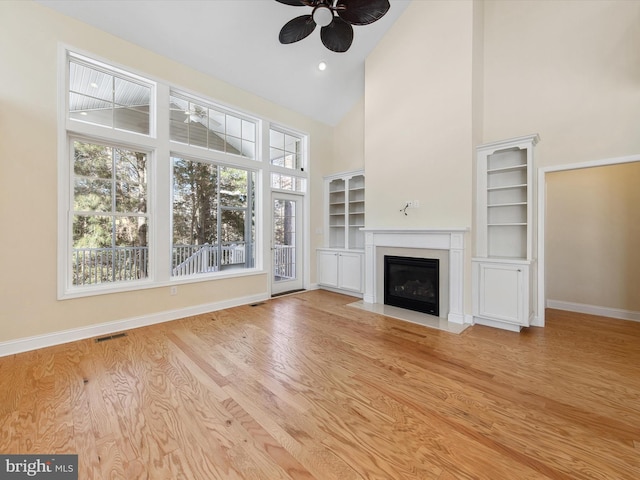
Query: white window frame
point(301, 173)
point(160, 148)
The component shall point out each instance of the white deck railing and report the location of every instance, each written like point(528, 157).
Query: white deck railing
point(193, 259)
point(101, 265)
point(284, 262)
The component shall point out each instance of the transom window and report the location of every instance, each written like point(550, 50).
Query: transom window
point(108, 98)
point(290, 183)
point(285, 150)
point(195, 123)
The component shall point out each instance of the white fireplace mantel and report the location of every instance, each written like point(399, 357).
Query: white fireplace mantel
point(450, 239)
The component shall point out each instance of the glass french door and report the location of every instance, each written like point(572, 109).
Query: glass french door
point(286, 243)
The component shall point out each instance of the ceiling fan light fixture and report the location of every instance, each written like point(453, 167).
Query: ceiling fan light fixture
point(322, 15)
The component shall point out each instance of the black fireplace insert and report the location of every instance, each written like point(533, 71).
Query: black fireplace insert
point(412, 283)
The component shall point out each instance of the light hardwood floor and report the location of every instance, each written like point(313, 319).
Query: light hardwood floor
point(305, 387)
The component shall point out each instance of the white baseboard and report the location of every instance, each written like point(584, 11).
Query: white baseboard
point(595, 310)
point(57, 338)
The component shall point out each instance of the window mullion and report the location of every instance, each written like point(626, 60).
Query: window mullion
point(218, 217)
point(161, 200)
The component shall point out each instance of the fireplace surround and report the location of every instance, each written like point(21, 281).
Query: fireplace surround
point(449, 242)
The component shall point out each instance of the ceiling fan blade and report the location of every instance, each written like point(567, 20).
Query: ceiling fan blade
point(337, 36)
point(297, 29)
point(362, 12)
point(293, 3)
point(299, 3)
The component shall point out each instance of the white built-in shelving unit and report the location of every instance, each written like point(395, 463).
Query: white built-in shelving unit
point(504, 265)
point(340, 261)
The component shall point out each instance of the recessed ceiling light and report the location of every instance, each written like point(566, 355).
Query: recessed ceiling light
point(84, 113)
point(93, 85)
point(322, 66)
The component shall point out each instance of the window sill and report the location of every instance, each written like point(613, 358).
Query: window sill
point(80, 292)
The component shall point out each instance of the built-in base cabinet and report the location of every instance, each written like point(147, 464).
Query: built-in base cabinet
point(342, 270)
point(502, 297)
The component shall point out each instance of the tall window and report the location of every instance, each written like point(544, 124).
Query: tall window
point(110, 222)
point(123, 156)
point(213, 217)
point(108, 232)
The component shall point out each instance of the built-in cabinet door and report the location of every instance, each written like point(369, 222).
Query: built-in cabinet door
point(350, 271)
point(328, 268)
point(502, 292)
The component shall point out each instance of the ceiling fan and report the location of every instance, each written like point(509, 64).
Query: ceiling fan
point(336, 32)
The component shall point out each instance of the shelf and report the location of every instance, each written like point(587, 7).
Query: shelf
point(504, 187)
point(513, 204)
point(345, 197)
point(506, 225)
point(507, 169)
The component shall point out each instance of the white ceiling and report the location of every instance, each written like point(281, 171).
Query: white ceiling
point(237, 41)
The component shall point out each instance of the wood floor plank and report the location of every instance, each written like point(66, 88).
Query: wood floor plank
point(307, 387)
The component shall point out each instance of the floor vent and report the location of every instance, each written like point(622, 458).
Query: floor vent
point(110, 337)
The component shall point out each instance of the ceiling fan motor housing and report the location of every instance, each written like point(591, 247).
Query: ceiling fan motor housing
point(322, 15)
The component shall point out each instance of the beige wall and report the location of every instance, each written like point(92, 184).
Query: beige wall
point(451, 75)
point(446, 75)
point(349, 142)
point(567, 70)
point(29, 39)
point(418, 118)
point(592, 234)
point(422, 121)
